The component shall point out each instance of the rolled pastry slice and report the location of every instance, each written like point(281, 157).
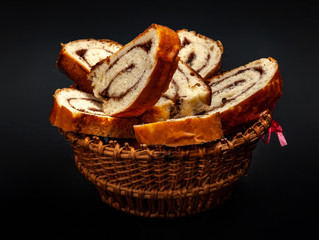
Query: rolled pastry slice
point(76, 58)
point(133, 79)
point(187, 95)
point(77, 111)
point(243, 94)
point(201, 53)
point(179, 132)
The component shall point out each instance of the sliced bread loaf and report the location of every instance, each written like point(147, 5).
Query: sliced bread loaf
point(77, 111)
point(187, 95)
point(243, 94)
point(183, 131)
point(76, 58)
point(201, 53)
point(134, 78)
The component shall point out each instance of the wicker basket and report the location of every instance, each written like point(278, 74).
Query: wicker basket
point(166, 182)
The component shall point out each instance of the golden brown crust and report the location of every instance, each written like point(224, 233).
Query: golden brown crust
point(166, 64)
point(76, 71)
point(254, 106)
point(185, 131)
point(79, 122)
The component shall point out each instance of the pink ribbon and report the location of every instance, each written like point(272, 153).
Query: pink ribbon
point(276, 128)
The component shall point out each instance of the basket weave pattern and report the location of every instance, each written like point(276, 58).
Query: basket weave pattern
point(166, 182)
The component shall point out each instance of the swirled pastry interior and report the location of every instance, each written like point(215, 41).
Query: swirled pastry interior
point(76, 58)
point(243, 94)
point(187, 95)
point(78, 111)
point(200, 53)
point(133, 79)
point(90, 51)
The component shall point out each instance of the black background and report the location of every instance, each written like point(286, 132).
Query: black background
point(42, 193)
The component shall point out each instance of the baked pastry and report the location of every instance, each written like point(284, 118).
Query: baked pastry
point(133, 79)
point(77, 111)
point(164, 109)
point(201, 53)
point(187, 95)
point(76, 58)
point(179, 132)
point(243, 94)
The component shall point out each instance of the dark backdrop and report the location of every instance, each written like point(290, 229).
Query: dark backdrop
point(42, 193)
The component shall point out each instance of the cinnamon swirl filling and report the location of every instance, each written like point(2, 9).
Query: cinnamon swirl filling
point(122, 81)
point(196, 56)
point(231, 88)
point(93, 55)
point(200, 53)
point(86, 105)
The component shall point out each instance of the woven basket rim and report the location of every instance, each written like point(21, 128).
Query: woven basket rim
point(125, 151)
